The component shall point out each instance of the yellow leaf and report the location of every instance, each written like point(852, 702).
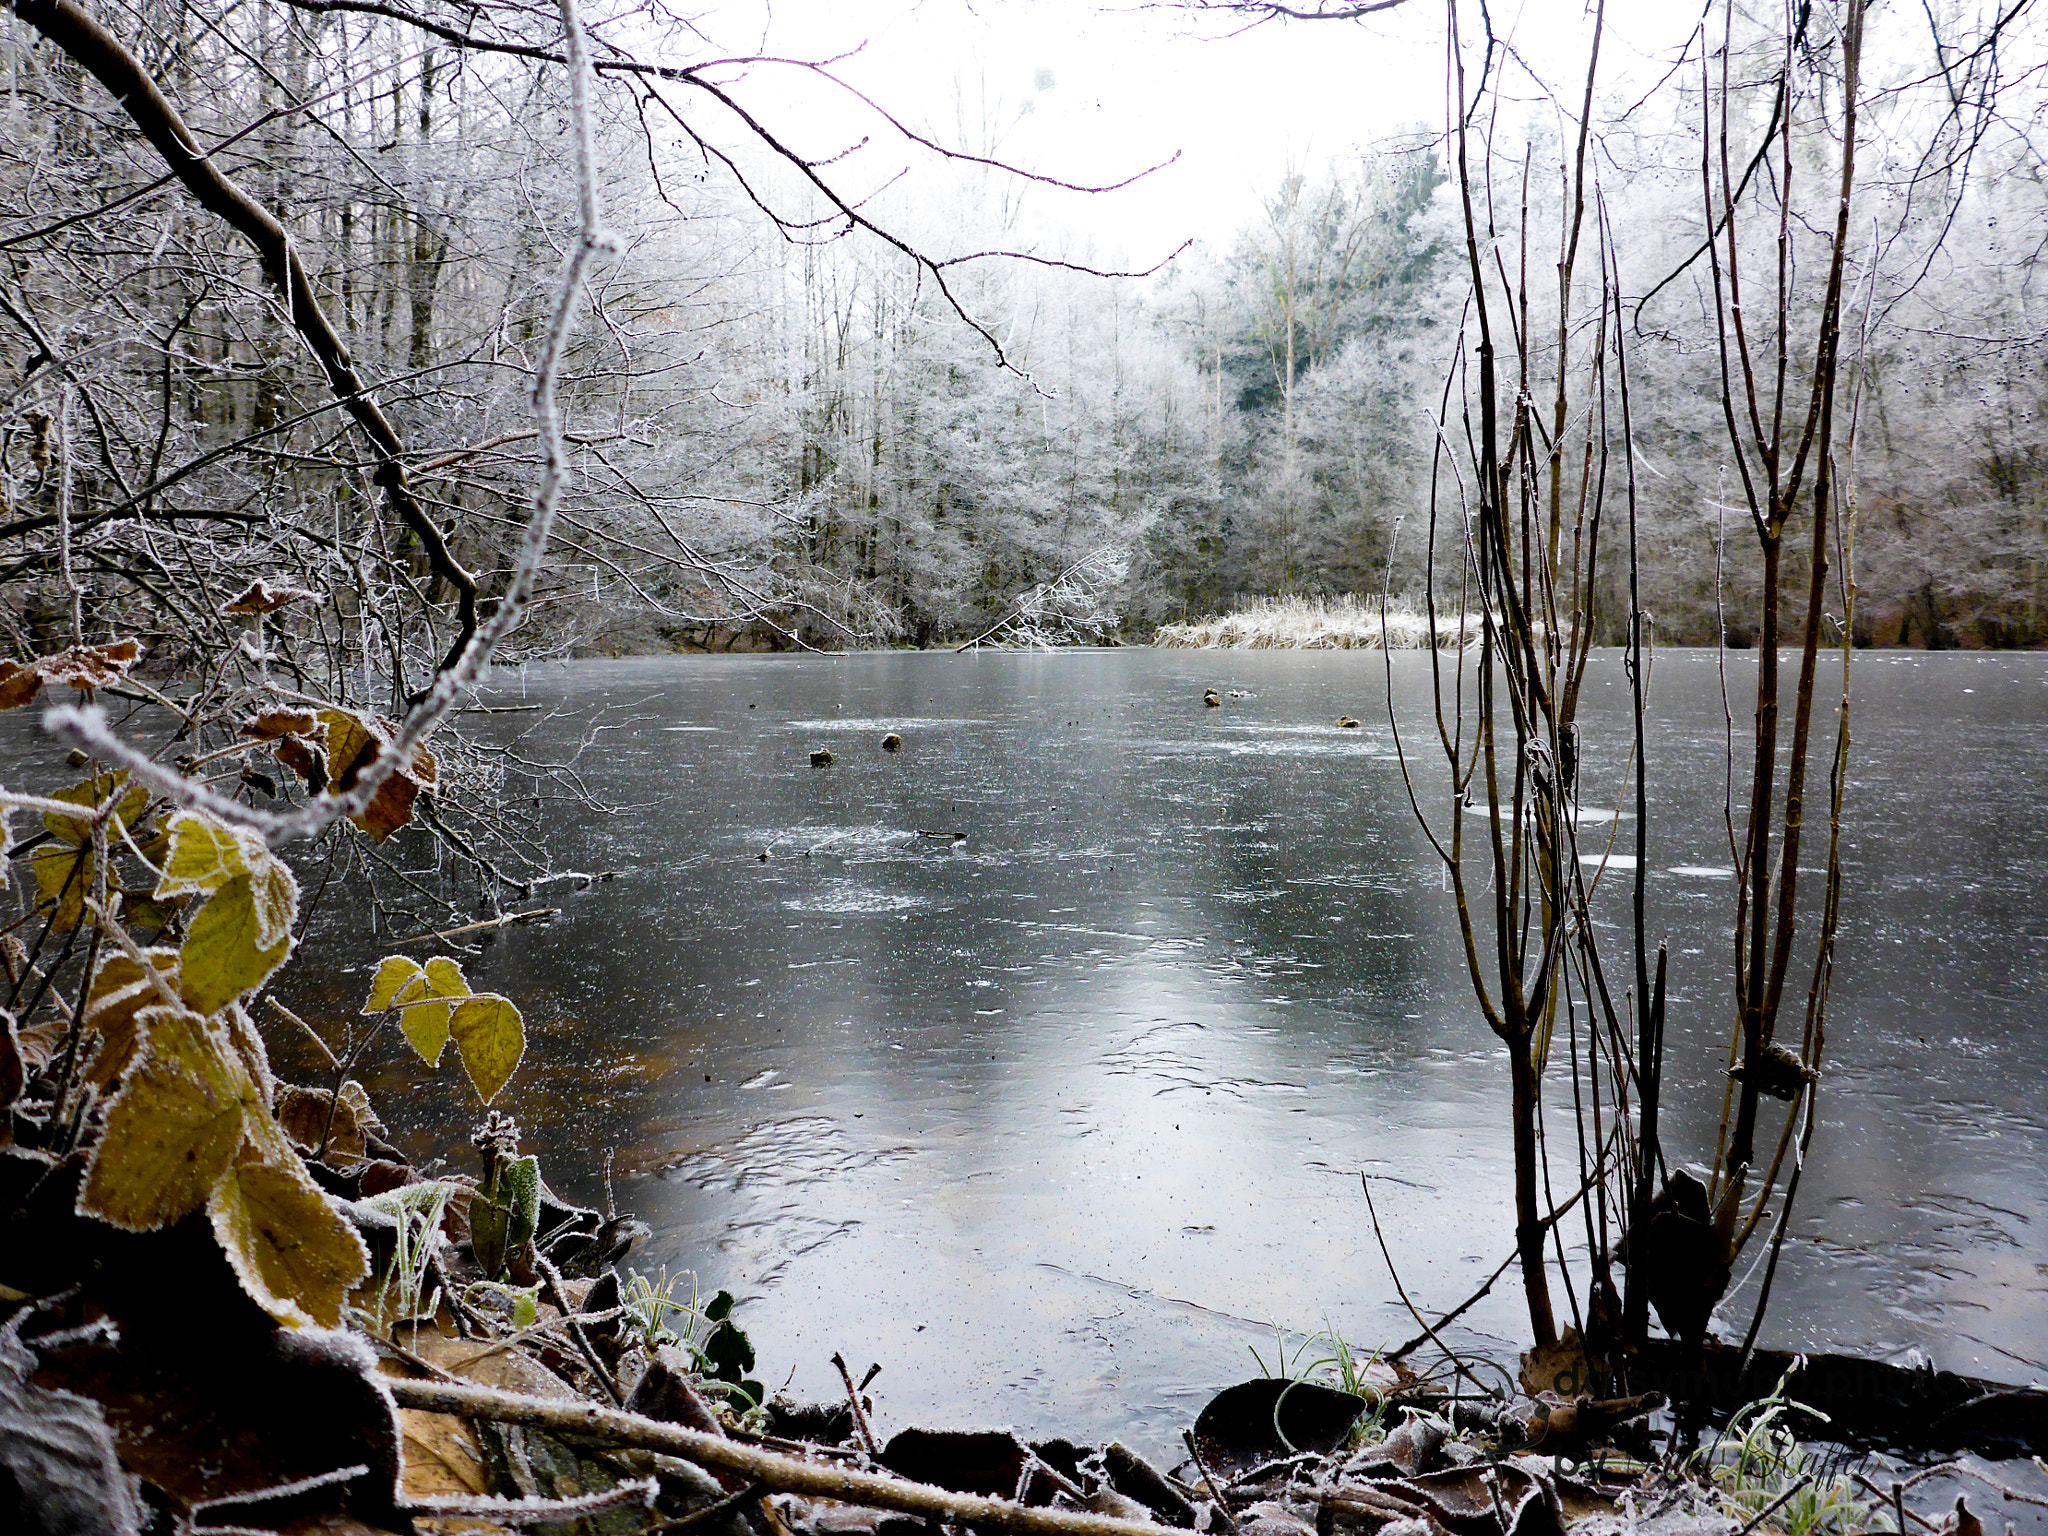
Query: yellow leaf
point(275, 890)
point(491, 1037)
point(426, 1024)
point(119, 992)
point(222, 957)
point(293, 1252)
point(205, 855)
point(352, 744)
point(445, 978)
point(89, 796)
point(63, 875)
point(247, 1043)
point(393, 972)
point(174, 1127)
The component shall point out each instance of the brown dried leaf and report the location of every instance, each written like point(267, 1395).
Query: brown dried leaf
point(83, 666)
point(20, 682)
point(303, 1115)
point(305, 758)
point(260, 597)
point(274, 723)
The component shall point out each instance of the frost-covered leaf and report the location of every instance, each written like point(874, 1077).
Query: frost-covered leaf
point(294, 1253)
point(83, 666)
point(491, 1037)
point(205, 855)
point(224, 955)
point(119, 993)
point(174, 1127)
point(308, 1115)
point(247, 1042)
point(357, 1098)
point(89, 795)
point(57, 1454)
point(274, 723)
point(64, 876)
point(260, 597)
point(445, 978)
point(393, 972)
point(20, 682)
point(426, 1025)
point(329, 750)
point(13, 1070)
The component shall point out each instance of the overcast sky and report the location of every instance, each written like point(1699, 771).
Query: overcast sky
point(1110, 90)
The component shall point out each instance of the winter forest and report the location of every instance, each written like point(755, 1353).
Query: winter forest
point(813, 411)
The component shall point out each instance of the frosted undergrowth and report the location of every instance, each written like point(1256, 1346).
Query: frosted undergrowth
point(1319, 624)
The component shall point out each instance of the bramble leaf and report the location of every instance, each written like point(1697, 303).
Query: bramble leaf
point(119, 993)
point(260, 597)
point(308, 1114)
point(205, 855)
point(273, 723)
point(88, 796)
point(224, 954)
point(393, 972)
point(174, 1127)
point(295, 1255)
point(63, 875)
point(426, 1025)
point(83, 666)
point(491, 1037)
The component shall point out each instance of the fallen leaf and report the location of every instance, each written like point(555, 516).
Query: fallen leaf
point(303, 1114)
point(56, 1452)
point(295, 1254)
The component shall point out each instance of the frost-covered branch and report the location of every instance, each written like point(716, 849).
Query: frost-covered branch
point(87, 727)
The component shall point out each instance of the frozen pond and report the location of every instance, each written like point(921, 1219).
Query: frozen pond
point(1055, 1121)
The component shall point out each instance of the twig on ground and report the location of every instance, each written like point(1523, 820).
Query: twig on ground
point(784, 1474)
point(710, 1512)
point(560, 1298)
point(860, 1418)
point(1215, 1493)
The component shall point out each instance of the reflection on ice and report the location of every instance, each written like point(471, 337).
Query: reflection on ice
point(1056, 1125)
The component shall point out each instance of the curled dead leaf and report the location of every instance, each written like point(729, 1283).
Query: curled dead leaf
point(260, 597)
point(82, 667)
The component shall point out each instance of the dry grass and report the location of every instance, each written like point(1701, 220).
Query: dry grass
point(1318, 624)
